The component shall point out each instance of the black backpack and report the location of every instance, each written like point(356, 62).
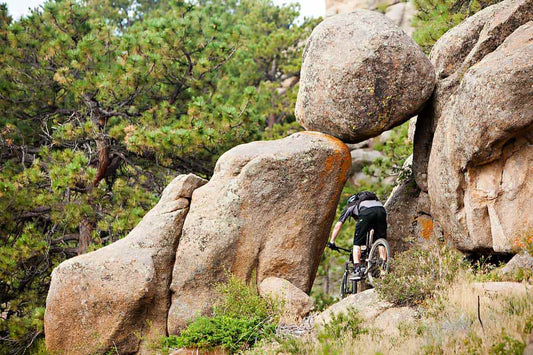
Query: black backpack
point(360, 197)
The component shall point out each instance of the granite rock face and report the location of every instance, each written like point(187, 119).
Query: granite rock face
point(361, 75)
point(454, 53)
point(481, 162)
point(266, 211)
point(108, 297)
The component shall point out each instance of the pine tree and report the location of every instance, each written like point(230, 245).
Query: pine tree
point(102, 103)
point(435, 17)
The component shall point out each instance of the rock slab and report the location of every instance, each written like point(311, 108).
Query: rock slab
point(108, 297)
point(367, 304)
point(361, 75)
point(267, 211)
point(294, 303)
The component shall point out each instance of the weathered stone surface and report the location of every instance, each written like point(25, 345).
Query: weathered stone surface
point(402, 212)
point(107, 297)
point(267, 210)
point(481, 162)
point(521, 260)
point(367, 304)
point(295, 303)
point(453, 54)
point(361, 75)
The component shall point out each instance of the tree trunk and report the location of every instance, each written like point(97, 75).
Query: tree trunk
point(85, 236)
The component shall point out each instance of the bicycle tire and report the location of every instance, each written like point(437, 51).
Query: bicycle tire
point(374, 270)
point(343, 292)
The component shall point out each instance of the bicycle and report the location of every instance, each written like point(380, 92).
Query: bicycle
point(373, 267)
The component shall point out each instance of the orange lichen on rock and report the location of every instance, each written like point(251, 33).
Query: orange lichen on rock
point(426, 227)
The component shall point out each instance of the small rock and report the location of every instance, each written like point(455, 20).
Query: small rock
point(522, 260)
point(295, 303)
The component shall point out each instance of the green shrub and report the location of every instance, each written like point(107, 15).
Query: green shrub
point(341, 326)
point(507, 345)
point(322, 300)
point(435, 17)
point(419, 272)
point(240, 318)
point(238, 300)
point(230, 333)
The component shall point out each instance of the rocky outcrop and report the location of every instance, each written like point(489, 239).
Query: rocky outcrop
point(113, 296)
point(266, 211)
point(481, 162)
point(294, 303)
point(454, 53)
point(361, 75)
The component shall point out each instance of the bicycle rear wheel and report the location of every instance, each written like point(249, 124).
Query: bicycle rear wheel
point(377, 267)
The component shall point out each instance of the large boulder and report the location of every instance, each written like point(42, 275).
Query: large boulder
point(294, 303)
point(267, 211)
point(361, 75)
point(454, 53)
point(112, 297)
point(481, 163)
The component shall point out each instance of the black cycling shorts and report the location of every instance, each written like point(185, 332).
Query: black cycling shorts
point(370, 218)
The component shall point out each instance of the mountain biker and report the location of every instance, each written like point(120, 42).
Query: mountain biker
point(369, 213)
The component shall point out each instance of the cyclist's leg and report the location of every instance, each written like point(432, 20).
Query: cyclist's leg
point(380, 229)
point(359, 239)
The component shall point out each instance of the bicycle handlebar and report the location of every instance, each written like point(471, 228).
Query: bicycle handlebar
point(339, 249)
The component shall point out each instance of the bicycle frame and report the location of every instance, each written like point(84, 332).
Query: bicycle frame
point(349, 265)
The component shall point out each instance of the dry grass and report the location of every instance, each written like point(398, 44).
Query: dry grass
point(449, 324)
